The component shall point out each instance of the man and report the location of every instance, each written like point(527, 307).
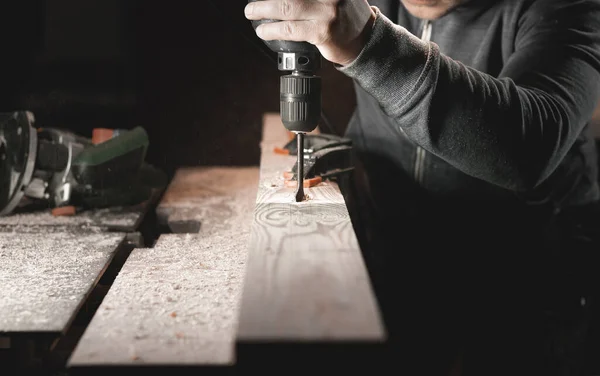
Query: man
point(476, 185)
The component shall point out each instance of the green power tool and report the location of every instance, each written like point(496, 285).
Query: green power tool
point(61, 169)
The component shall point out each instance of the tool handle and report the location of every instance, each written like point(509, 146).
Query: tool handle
point(113, 161)
point(284, 46)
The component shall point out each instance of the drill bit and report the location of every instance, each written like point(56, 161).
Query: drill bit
point(300, 168)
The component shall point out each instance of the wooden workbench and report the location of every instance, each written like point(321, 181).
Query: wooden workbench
point(243, 275)
point(176, 304)
point(51, 269)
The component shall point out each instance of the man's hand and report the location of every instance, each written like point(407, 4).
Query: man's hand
point(338, 28)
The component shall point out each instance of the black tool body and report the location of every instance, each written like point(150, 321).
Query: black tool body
point(300, 91)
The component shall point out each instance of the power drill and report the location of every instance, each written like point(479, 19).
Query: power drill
point(300, 92)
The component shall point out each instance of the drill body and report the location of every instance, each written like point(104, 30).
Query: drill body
point(299, 94)
point(300, 91)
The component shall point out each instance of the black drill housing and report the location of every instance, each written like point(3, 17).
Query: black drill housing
point(300, 91)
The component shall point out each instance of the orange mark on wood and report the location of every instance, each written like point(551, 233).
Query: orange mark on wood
point(278, 150)
point(64, 211)
point(308, 183)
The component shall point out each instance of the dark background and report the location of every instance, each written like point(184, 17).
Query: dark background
point(192, 73)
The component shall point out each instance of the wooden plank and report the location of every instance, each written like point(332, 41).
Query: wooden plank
point(45, 278)
point(306, 281)
point(202, 196)
point(29, 218)
point(121, 219)
point(177, 303)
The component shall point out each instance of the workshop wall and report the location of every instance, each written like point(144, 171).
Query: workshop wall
point(206, 80)
point(193, 74)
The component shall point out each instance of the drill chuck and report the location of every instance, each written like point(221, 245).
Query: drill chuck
point(300, 101)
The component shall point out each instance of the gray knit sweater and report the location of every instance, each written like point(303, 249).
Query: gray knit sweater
point(494, 106)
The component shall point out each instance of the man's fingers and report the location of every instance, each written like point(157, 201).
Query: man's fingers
point(296, 31)
point(297, 20)
point(287, 10)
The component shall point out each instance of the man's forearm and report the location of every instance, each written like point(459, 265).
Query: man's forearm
point(491, 128)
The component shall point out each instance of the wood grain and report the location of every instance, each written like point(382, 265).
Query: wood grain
point(205, 195)
point(305, 280)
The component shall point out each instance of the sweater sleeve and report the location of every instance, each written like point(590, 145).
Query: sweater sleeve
point(512, 130)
